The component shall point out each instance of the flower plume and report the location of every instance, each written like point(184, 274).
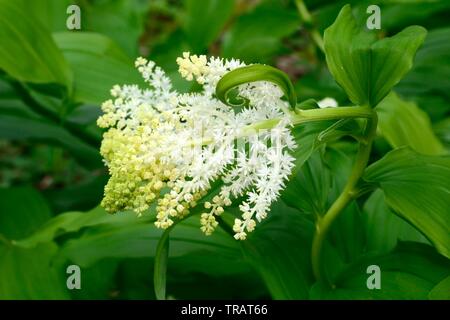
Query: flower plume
point(168, 147)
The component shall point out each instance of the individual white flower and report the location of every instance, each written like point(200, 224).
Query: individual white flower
point(170, 147)
point(327, 103)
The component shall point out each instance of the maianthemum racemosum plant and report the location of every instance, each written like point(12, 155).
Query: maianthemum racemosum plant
point(231, 142)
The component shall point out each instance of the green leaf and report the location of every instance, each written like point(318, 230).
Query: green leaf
point(312, 191)
point(384, 229)
point(51, 13)
point(204, 20)
point(160, 271)
point(309, 185)
point(29, 273)
point(138, 238)
point(307, 105)
point(70, 222)
point(367, 68)
point(442, 130)
point(257, 36)
point(95, 235)
point(23, 211)
point(255, 73)
point(409, 272)
point(285, 238)
point(416, 187)
point(441, 291)
point(308, 190)
point(307, 139)
point(402, 123)
point(97, 63)
point(27, 51)
point(98, 282)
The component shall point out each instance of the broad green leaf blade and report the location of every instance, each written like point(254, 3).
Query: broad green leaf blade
point(308, 186)
point(27, 51)
point(391, 59)
point(307, 139)
point(365, 68)
point(409, 272)
point(312, 191)
point(99, 281)
point(385, 229)
point(88, 238)
point(160, 271)
point(138, 238)
point(416, 187)
point(347, 52)
point(25, 272)
point(279, 249)
point(402, 123)
point(70, 222)
point(204, 20)
point(51, 13)
point(30, 274)
point(97, 63)
point(442, 130)
point(314, 188)
point(308, 189)
point(23, 210)
point(441, 291)
point(255, 73)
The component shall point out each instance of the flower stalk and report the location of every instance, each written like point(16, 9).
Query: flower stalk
point(303, 116)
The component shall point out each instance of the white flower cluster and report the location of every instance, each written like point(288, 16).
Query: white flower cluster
point(170, 147)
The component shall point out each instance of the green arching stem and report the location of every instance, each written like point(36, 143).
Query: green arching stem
point(303, 116)
point(323, 224)
point(299, 117)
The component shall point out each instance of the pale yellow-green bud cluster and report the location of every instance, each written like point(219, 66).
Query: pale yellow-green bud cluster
point(175, 204)
point(216, 208)
point(134, 182)
point(193, 66)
